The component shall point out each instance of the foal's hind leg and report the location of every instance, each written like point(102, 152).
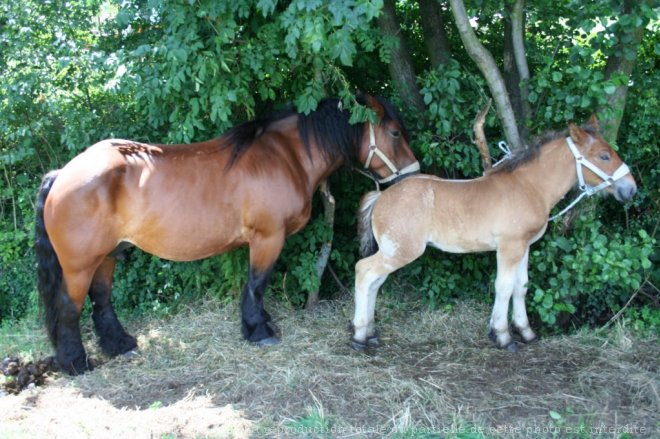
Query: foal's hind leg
point(370, 274)
point(113, 338)
point(520, 320)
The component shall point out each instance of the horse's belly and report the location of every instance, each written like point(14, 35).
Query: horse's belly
point(184, 248)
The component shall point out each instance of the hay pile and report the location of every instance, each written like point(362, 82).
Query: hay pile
point(435, 372)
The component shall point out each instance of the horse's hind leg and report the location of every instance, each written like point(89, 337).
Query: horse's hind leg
point(69, 350)
point(112, 337)
point(520, 320)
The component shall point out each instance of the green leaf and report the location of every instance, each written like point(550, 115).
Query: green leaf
point(585, 102)
point(610, 89)
point(532, 97)
point(267, 7)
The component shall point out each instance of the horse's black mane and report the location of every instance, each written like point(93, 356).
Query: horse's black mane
point(328, 126)
point(526, 155)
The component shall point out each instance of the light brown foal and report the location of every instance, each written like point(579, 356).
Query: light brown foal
point(505, 211)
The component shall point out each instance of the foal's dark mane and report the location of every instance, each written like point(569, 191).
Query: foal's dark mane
point(529, 154)
point(328, 126)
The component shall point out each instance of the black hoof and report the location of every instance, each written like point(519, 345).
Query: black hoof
point(118, 346)
point(77, 366)
point(358, 345)
point(522, 338)
point(532, 341)
point(492, 336)
point(261, 331)
point(511, 347)
point(269, 341)
point(373, 341)
point(130, 354)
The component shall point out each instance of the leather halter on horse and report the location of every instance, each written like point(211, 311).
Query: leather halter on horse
point(587, 190)
point(374, 150)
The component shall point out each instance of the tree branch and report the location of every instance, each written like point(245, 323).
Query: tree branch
point(484, 60)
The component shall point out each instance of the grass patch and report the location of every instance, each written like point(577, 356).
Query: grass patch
point(26, 339)
point(436, 374)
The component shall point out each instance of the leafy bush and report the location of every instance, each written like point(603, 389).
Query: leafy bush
point(588, 273)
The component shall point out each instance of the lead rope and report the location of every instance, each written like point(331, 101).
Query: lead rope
point(370, 176)
point(507, 153)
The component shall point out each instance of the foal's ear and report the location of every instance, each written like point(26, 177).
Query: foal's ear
point(373, 103)
point(578, 135)
point(593, 122)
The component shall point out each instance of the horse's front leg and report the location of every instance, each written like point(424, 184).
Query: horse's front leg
point(256, 325)
point(509, 257)
point(520, 320)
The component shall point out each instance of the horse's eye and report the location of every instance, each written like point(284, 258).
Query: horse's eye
point(604, 156)
point(395, 133)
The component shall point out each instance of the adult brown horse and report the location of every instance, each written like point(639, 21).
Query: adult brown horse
point(252, 186)
point(505, 211)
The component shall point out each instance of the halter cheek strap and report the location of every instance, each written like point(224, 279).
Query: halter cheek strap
point(374, 150)
point(587, 190)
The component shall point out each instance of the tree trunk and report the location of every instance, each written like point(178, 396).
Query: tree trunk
point(324, 254)
point(401, 68)
point(484, 60)
point(621, 61)
point(520, 59)
point(510, 70)
point(434, 32)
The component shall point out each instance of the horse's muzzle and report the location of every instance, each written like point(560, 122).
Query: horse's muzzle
point(403, 176)
point(624, 190)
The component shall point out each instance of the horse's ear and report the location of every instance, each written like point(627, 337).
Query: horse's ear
point(373, 103)
point(593, 122)
point(578, 135)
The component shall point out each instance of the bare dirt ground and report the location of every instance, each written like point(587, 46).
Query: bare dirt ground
point(435, 374)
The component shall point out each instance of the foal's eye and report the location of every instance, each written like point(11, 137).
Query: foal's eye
point(395, 133)
point(604, 156)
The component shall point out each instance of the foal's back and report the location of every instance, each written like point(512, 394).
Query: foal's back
point(458, 216)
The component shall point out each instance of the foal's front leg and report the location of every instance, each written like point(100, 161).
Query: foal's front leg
point(509, 258)
point(520, 320)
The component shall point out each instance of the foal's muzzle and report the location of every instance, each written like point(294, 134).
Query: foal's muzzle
point(624, 190)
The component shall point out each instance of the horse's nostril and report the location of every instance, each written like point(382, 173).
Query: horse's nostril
point(626, 192)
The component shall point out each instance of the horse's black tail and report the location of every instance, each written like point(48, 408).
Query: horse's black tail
point(49, 270)
point(368, 244)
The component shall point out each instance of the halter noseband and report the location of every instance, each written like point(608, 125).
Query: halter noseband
point(587, 190)
point(374, 150)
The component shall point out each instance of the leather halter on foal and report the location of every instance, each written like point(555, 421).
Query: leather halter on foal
point(374, 150)
point(587, 190)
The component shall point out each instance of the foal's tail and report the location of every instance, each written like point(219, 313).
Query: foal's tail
point(49, 271)
point(368, 244)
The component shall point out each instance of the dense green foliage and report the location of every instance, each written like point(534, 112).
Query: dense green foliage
point(181, 71)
